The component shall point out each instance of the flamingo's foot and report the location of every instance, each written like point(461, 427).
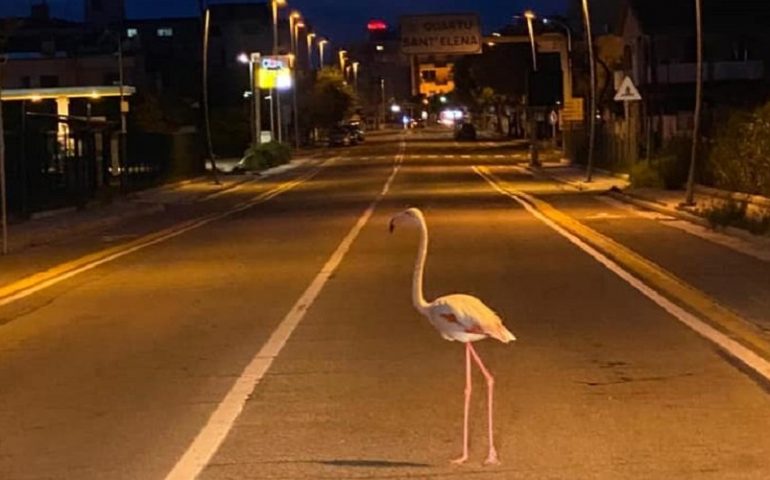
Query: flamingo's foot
point(460, 460)
point(492, 458)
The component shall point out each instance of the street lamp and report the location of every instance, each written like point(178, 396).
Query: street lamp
point(355, 74)
point(321, 46)
point(295, 20)
point(592, 112)
point(310, 37)
point(256, 121)
point(530, 16)
point(276, 4)
point(342, 54)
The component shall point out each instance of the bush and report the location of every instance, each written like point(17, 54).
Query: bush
point(266, 155)
point(674, 163)
point(645, 175)
point(740, 159)
point(735, 214)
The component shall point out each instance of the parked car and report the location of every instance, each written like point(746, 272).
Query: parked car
point(356, 132)
point(340, 137)
point(466, 131)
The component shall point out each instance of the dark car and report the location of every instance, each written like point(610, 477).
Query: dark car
point(466, 131)
point(340, 137)
point(356, 132)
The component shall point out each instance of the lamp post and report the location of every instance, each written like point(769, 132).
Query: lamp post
point(530, 16)
point(534, 159)
point(355, 75)
point(256, 121)
point(310, 36)
point(295, 60)
point(592, 112)
point(207, 120)
point(690, 197)
point(342, 54)
point(275, 5)
point(321, 47)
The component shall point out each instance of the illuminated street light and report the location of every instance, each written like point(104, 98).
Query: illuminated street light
point(310, 36)
point(530, 16)
point(342, 54)
point(395, 108)
point(321, 47)
point(243, 58)
point(295, 23)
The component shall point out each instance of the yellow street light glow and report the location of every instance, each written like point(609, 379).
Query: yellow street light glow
point(530, 15)
point(280, 3)
point(36, 98)
point(95, 94)
point(295, 14)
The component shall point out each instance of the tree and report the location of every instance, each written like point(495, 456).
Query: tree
point(331, 99)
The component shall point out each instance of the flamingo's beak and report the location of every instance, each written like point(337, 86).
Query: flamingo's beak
point(392, 225)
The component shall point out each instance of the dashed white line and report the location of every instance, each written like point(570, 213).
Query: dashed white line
point(209, 439)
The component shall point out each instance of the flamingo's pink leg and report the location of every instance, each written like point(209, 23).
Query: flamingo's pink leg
point(467, 404)
point(492, 458)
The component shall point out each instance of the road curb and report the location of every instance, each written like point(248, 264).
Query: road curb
point(668, 285)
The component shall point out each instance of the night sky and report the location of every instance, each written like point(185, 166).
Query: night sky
point(341, 20)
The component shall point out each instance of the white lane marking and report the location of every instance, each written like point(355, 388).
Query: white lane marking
point(743, 354)
point(499, 156)
point(465, 156)
point(173, 231)
point(734, 243)
point(209, 439)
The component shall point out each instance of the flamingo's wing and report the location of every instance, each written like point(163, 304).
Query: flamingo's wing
point(472, 316)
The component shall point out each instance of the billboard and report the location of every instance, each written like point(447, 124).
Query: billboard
point(274, 72)
point(457, 34)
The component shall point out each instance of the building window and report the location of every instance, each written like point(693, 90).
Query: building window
point(165, 32)
point(131, 32)
point(49, 81)
point(380, 48)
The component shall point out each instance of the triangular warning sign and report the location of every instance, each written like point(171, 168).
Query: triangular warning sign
point(627, 92)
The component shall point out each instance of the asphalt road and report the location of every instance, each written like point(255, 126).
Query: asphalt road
point(115, 372)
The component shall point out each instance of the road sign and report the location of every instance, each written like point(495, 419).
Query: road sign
point(627, 92)
point(274, 72)
point(573, 110)
point(437, 34)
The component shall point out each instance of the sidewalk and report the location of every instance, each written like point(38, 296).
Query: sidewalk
point(666, 202)
point(52, 226)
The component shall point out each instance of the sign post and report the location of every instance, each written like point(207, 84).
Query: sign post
point(627, 93)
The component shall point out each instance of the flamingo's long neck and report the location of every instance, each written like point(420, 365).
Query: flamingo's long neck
point(419, 268)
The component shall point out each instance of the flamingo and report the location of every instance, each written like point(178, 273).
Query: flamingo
point(457, 317)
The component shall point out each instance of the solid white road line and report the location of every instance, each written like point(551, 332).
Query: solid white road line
point(734, 243)
point(208, 440)
point(743, 354)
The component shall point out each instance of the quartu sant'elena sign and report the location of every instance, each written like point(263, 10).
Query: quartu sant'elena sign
point(432, 34)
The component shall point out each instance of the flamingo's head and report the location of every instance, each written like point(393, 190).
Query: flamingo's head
point(411, 216)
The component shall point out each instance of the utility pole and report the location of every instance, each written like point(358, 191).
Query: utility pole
point(690, 197)
point(592, 111)
point(206, 24)
point(3, 198)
